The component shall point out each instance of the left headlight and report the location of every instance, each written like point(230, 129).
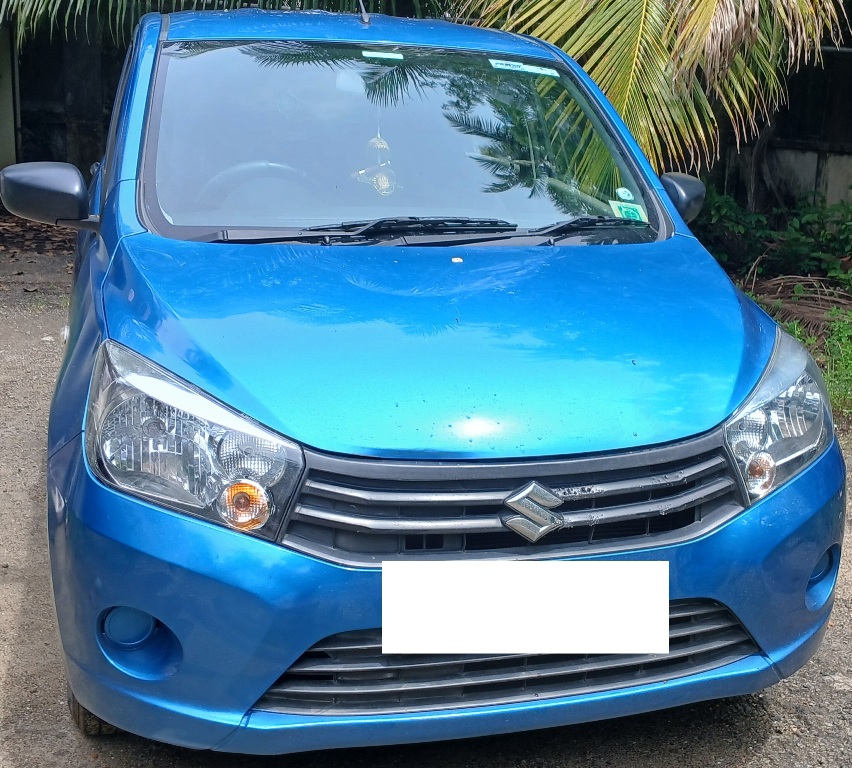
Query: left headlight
point(785, 424)
point(155, 436)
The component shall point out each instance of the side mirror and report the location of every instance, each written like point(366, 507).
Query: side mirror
point(687, 193)
point(52, 193)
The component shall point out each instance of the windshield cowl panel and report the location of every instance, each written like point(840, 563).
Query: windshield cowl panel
point(303, 136)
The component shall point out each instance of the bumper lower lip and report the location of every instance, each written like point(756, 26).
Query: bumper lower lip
point(242, 610)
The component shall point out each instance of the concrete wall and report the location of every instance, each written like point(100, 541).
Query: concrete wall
point(807, 150)
point(798, 173)
point(810, 149)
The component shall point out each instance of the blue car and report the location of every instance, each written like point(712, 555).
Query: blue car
point(352, 292)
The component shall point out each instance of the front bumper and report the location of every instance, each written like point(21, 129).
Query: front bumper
point(240, 611)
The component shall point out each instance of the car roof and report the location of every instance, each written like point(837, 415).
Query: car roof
point(256, 24)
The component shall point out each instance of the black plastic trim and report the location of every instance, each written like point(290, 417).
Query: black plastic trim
point(364, 494)
point(392, 469)
point(346, 674)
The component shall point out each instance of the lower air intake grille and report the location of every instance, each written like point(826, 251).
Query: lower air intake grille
point(347, 673)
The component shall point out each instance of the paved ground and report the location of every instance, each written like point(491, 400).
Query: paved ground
point(805, 721)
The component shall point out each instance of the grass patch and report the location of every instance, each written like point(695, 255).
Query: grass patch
point(808, 238)
point(796, 263)
point(833, 352)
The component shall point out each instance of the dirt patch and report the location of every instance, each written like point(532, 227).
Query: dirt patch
point(34, 258)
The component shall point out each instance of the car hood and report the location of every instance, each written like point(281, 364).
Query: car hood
point(466, 352)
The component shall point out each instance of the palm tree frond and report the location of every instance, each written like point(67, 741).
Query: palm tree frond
point(669, 66)
point(119, 16)
point(711, 33)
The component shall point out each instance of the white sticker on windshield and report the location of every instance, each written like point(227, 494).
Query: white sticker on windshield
point(628, 210)
point(517, 66)
point(381, 55)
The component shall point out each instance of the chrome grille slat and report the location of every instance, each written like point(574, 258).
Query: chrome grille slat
point(357, 495)
point(490, 524)
point(470, 498)
point(359, 512)
point(650, 508)
point(493, 524)
point(341, 675)
point(650, 483)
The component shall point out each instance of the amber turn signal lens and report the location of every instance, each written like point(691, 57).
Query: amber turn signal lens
point(760, 473)
point(244, 505)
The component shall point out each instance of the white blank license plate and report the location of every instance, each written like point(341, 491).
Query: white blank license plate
point(523, 606)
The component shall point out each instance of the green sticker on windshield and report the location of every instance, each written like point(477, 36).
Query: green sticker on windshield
point(628, 210)
point(517, 66)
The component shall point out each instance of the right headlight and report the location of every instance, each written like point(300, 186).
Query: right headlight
point(155, 436)
point(785, 424)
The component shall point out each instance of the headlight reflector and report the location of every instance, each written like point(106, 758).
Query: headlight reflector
point(155, 436)
point(152, 446)
point(785, 424)
point(256, 458)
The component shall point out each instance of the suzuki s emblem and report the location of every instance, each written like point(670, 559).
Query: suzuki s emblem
point(533, 502)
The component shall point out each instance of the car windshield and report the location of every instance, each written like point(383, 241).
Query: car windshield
point(289, 134)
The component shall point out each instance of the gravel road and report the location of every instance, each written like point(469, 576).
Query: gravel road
point(804, 721)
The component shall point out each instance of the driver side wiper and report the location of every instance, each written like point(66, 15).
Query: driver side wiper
point(366, 229)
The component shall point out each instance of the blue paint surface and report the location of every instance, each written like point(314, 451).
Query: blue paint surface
point(402, 352)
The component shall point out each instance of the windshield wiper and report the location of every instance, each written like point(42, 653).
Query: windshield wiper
point(416, 226)
point(411, 224)
point(585, 222)
point(367, 229)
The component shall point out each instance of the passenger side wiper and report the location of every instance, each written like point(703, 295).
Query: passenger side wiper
point(585, 222)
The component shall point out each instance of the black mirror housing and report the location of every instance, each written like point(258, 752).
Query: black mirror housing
point(51, 193)
point(687, 193)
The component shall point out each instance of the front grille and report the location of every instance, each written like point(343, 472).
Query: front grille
point(347, 673)
point(363, 511)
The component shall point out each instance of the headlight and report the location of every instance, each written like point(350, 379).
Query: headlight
point(152, 435)
point(786, 422)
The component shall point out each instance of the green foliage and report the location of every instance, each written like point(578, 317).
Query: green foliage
point(837, 362)
point(675, 69)
point(797, 331)
point(734, 235)
point(807, 239)
point(119, 16)
point(833, 352)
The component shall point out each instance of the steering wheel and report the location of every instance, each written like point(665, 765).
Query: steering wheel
point(242, 173)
